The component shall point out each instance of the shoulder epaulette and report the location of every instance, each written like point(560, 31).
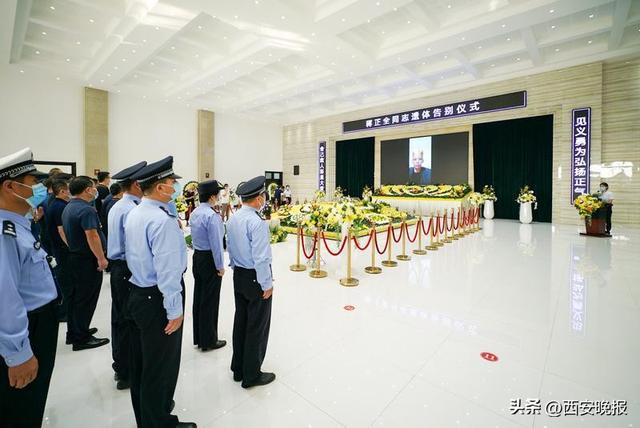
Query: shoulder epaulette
point(260, 215)
point(169, 213)
point(9, 228)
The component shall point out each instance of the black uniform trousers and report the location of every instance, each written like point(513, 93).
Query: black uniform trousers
point(121, 322)
point(608, 211)
point(206, 299)
point(155, 359)
point(86, 282)
point(24, 408)
point(250, 325)
point(63, 279)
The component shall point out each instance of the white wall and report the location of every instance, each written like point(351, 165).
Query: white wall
point(244, 149)
point(40, 112)
point(151, 130)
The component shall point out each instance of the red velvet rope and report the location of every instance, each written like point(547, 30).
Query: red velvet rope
point(450, 228)
point(415, 235)
point(375, 240)
point(444, 225)
point(355, 241)
point(394, 234)
point(429, 227)
point(344, 241)
point(465, 218)
point(457, 221)
point(477, 215)
point(315, 240)
point(435, 228)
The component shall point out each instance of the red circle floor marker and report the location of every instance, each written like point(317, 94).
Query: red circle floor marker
point(489, 356)
point(349, 308)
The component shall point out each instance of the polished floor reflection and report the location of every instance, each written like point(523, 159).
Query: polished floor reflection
point(560, 311)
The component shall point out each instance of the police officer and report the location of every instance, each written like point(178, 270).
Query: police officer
point(250, 257)
point(156, 254)
point(207, 232)
point(87, 247)
point(120, 274)
point(28, 319)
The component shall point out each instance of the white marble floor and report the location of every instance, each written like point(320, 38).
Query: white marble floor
point(560, 311)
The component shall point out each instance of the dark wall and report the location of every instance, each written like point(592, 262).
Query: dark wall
point(450, 158)
point(510, 154)
point(354, 165)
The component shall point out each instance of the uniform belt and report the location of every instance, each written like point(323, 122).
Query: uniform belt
point(117, 261)
point(153, 290)
point(241, 269)
point(202, 251)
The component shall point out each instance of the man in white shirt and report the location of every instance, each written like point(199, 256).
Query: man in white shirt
point(606, 196)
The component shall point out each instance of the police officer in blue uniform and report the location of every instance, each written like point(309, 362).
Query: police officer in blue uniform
point(248, 244)
point(28, 318)
point(120, 274)
point(87, 257)
point(156, 255)
point(207, 232)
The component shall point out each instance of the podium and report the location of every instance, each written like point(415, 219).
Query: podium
point(596, 226)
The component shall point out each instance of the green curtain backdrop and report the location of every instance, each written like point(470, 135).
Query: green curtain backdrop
point(510, 154)
point(354, 165)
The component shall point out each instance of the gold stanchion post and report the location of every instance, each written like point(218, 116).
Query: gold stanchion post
point(437, 242)
point(298, 267)
point(316, 272)
point(404, 230)
point(447, 237)
point(389, 262)
point(349, 281)
point(419, 251)
point(373, 269)
point(456, 232)
point(432, 246)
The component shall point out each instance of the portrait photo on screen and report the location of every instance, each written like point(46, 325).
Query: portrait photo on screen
point(419, 160)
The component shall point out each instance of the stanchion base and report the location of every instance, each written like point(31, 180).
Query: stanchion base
point(438, 244)
point(433, 247)
point(447, 240)
point(318, 273)
point(297, 268)
point(419, 252)
point(403, 257)
point(389, 263)
point(349, 282)
point(372, 269)
point(455, 237)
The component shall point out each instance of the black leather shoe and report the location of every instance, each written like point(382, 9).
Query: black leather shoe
point(94, 342)
point(219, 344)
point(237, 377)
point(263, 379)
point(92, 331)
point(123, 384)
point(186, 425)
point(172, 406)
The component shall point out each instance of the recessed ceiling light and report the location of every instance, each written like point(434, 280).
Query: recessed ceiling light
point(428, 49)
point(590, 41)
point(343, 19)
point(44, 33)
point(557, 49)
point(382, 32)
point(408, 22)
point(173, 48)
point(135, 76)
point(57, 78)
point(518, 59)
point(591, 16)
point(174, 70)
point(52, 7)
point(197, 55)
point(462, 72)
point(479, 47)
point(445, 57)
point(441, 77)
point(144, 40)
point(101, 80)
point(152, 63)
point(157, 81)
point(68, 59)
point(503, 25)
point(508, 39)
point(553, 27)
point(283, 17)
point(377, 3)
point(37, 52)
point(551, 10)
point(224, 37)
point(124, 60)
point(493, 65)
point(313, 34)
point(395, 9)
point(463, 38)
point(133, 51)
point(448, 6)
point(108, 74)
point(157, 28)
point(22, 71)
point(115, 67)
point(91, 20)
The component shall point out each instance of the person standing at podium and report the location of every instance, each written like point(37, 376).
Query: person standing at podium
point(606, 196)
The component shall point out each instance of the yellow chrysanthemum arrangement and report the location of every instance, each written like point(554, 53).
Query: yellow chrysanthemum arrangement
point(587, 205)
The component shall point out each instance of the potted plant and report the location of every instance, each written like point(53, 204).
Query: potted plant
point(526, 198)
point(590, 209)
point(489, 196)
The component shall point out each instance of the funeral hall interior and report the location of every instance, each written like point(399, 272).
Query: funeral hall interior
point(451, 202)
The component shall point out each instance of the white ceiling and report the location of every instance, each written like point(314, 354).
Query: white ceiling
point(292, 60)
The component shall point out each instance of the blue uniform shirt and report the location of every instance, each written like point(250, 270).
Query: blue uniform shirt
point(156, 252)
point(26, 284)
point(115, 221)
point(207, 232)
point(54, 219)
point(248, 244)
point(77, 217)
